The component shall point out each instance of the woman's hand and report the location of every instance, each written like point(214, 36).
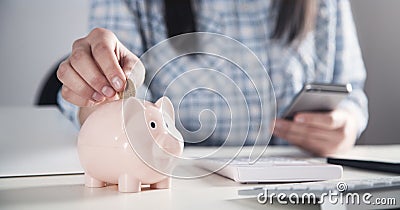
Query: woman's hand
point(320, 133)
point(96, 69)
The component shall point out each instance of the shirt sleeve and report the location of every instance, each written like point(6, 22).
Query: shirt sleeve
point(69, 110)
point(349, 66)
point(122, 18)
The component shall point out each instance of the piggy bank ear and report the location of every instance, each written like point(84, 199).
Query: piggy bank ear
point(165, 104)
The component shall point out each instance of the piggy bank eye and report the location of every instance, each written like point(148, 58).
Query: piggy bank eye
point(152, 124)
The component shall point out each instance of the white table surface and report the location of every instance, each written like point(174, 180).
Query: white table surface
point(211, 192)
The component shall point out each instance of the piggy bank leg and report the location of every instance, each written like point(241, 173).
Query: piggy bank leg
point(92, 182)
point(163, 184)
point(128, 183)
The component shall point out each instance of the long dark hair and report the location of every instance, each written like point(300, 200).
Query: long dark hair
point(295, 18)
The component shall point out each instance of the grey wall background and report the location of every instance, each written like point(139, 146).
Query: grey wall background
point(35, 34)
point(378, 25)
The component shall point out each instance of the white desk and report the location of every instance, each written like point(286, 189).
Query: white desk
point(211, 192)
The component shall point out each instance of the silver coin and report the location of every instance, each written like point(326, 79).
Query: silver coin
point(130, 90)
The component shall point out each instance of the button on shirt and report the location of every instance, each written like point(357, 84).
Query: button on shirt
point(330, 53)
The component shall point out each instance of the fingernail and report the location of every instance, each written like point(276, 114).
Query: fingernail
point(299, 119)
point(97, 96)
point(117, 82)
point(108, 91)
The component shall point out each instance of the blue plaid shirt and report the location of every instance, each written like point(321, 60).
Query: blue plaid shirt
point(328, 54)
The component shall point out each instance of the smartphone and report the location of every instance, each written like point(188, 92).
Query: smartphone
point(317, 97)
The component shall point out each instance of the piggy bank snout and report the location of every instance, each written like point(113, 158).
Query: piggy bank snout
point(169, 126)
point(171, 143)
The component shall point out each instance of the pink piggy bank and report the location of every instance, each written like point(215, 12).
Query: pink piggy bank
point(130, 142)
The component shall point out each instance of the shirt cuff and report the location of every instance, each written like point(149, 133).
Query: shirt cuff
point(69, 110)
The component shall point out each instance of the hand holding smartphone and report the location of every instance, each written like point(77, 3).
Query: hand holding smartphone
point(317, 97)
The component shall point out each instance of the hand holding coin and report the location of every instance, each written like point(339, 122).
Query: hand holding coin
point(130, 90)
